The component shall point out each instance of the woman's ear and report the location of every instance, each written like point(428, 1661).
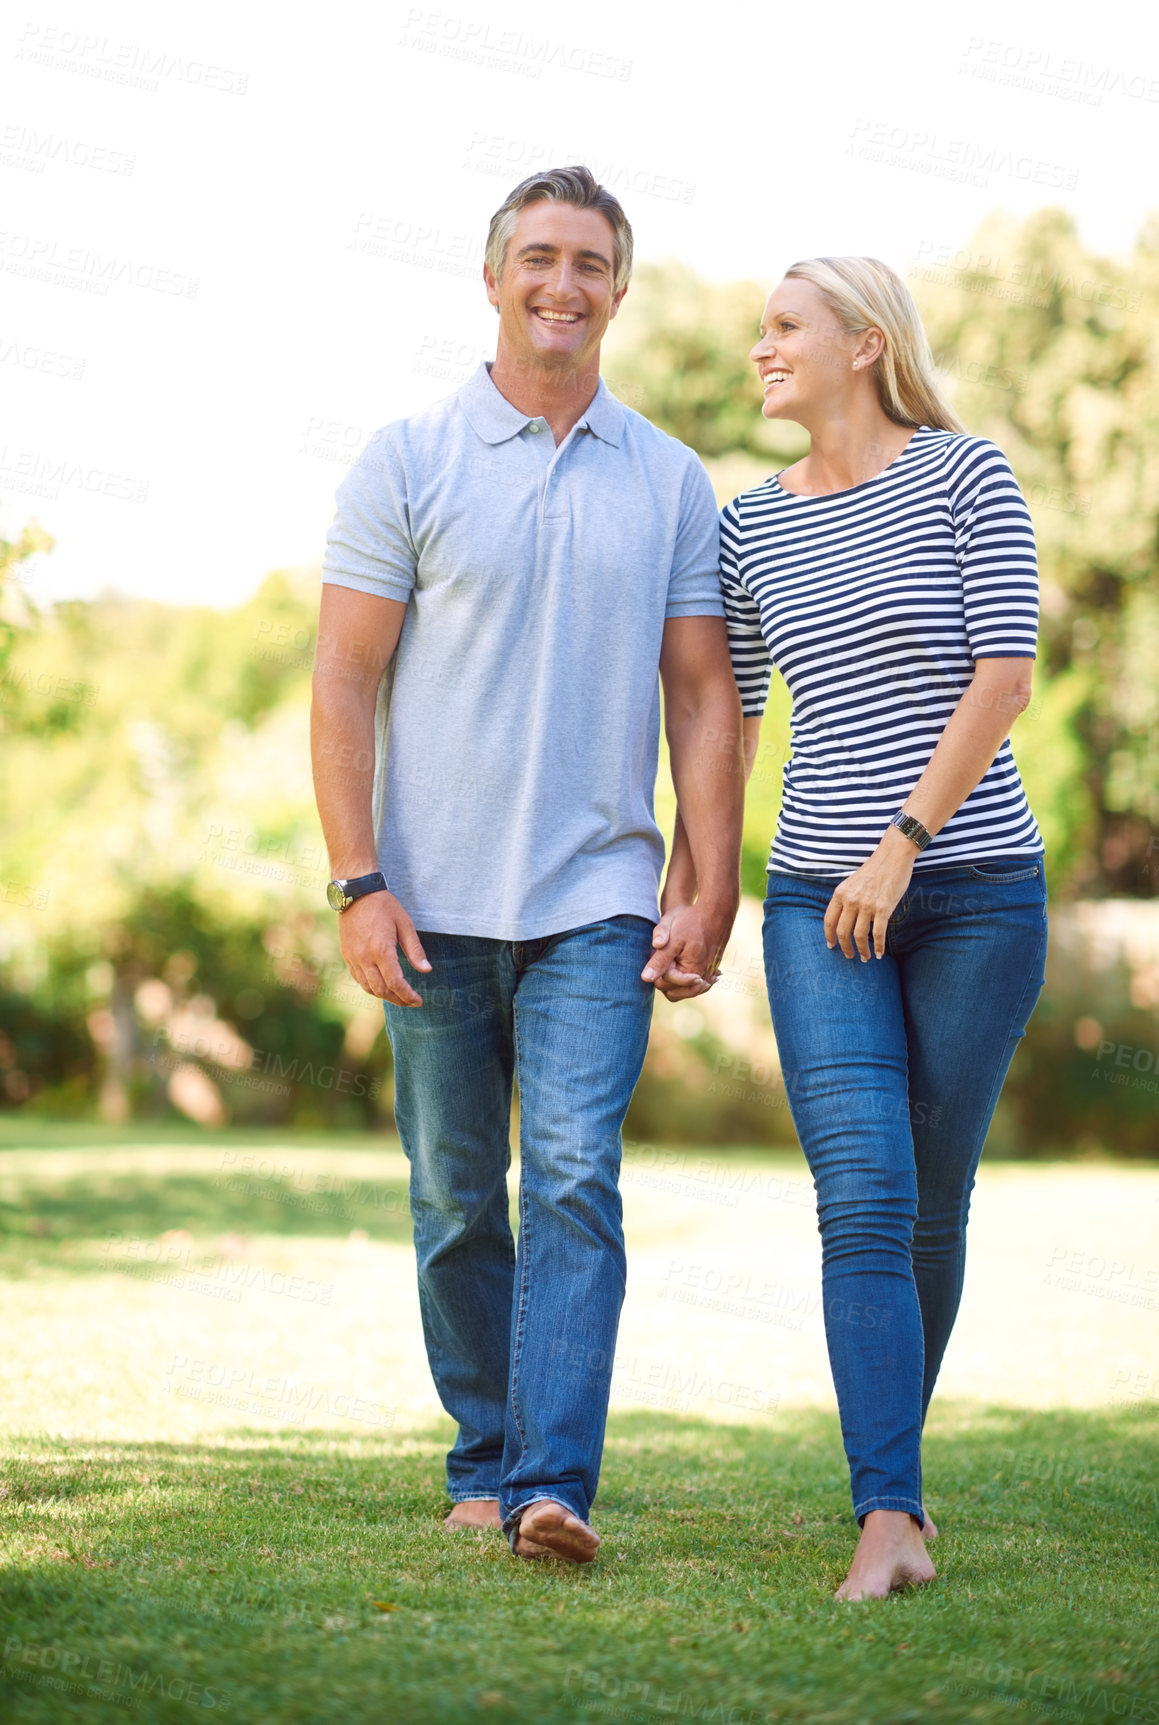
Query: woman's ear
point(870, 347)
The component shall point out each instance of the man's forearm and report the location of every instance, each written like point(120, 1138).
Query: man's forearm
point(708, 772)
point(342, 753)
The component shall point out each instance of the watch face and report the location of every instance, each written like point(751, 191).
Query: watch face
point(336, 898)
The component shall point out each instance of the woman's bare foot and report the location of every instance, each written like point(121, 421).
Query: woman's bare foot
point(929, 1531)
point(547, 1529)
point(891, 1554)
point(475, 1512)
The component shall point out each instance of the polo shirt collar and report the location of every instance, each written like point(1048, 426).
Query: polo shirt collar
point(495, 419)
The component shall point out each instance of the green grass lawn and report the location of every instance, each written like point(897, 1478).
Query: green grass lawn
point(274, 1573)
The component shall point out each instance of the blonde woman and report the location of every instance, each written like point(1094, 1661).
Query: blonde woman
point(890, 577)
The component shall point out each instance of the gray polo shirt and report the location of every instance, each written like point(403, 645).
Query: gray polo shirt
point(518, 725)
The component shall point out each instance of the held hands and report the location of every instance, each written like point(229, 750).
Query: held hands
point(860, 909)
point(687, 946)
point(369, 934)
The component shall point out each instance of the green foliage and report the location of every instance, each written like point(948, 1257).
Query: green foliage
point(1051, 352)
point(157, 800)
point(678, 353)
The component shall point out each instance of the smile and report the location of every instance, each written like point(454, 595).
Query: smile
point(560, 317)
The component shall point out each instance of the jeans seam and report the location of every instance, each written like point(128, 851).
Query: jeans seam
point(524, 1254)
point(884, 1501)
point(1018, 1015)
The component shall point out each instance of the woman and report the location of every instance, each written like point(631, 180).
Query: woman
point(890, 576)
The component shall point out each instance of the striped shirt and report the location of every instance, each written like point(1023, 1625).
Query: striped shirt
point(874, 603)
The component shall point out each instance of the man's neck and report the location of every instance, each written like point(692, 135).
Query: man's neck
point(561, 394)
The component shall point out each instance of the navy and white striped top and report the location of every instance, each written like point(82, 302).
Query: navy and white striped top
point(874, 603)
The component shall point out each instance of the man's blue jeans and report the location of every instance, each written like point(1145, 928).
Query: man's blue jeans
point(893, 1069)
point(521, 1343)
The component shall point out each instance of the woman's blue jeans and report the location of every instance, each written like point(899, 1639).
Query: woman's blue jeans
point(892, 1070)
point(521, 1344)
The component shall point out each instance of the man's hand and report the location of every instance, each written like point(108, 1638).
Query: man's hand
point(370, 933)
point(864, 902)
point(687, 945)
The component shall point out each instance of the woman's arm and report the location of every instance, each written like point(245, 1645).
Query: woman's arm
point(862, 905)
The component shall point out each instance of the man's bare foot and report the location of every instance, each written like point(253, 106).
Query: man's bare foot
point(929, 1531)
point(475, 1512)
point(547, 1529)
point(891, 1554)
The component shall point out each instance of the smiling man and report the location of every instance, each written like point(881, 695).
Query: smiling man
point(526, 561)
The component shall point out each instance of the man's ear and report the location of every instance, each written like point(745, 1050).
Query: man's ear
point(492, 286)
point(616, 298)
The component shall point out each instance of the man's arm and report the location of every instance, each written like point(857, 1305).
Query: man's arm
point(357, 637)
point(702, 721)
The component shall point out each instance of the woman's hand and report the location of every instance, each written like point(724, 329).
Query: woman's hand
point(862, 905)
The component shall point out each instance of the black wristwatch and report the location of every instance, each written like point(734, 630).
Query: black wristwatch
point(911, 829)
point(341, 894)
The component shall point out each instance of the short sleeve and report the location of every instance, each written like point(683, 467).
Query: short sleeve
point(751, 660)
point(994, 545)
point(693, 585)
point(369, 545)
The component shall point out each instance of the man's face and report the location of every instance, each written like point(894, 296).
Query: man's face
point(555, 297)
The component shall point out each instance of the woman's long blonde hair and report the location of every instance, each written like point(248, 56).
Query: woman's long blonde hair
point(864, 293)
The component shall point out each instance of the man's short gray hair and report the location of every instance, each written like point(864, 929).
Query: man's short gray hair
point(577, 186)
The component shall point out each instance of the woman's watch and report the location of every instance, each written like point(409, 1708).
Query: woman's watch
point(911, 829)
point(341, 894)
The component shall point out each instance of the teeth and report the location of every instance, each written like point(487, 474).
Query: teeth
point(558, 316)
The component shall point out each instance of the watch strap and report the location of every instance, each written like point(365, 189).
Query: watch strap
point(357, 887)
point(912, 829)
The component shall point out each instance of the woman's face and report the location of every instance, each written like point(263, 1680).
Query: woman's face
point(804, 357)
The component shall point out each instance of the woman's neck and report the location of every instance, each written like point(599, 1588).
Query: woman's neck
point(846, 451)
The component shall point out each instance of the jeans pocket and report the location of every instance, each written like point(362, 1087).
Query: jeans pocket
point(1004, 873)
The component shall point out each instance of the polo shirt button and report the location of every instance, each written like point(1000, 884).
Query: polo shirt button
point(534, 426)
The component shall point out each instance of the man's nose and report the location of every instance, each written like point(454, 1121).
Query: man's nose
point(562, 280)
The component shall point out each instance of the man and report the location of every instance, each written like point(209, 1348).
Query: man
point(521, 559)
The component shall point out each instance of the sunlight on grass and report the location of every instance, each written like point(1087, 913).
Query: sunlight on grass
point(222, 1475)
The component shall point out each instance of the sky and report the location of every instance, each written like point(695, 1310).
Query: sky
point(235, 239)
